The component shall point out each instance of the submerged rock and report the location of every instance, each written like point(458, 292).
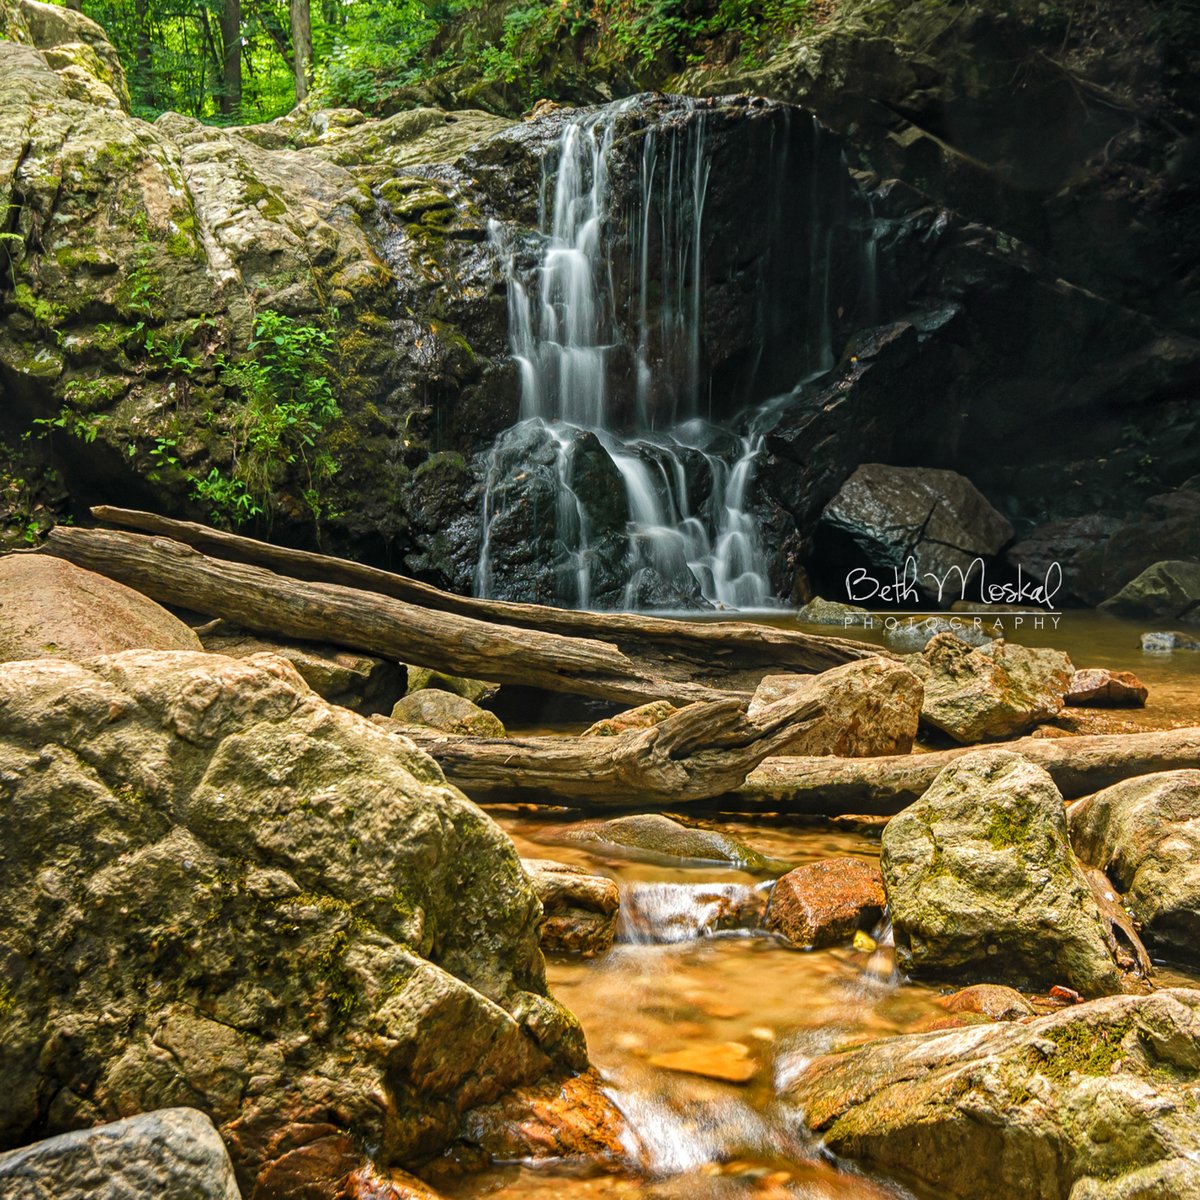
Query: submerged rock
point(171, 1154)
point(825, 903)
point(993, 691)
point(937, 518)
point(50, 608)
point(579, 908)
point(871, 707)
point(217, 885)
point(1099, 688)
point(982, 885)
point(1170, 590)
point(1092, 1103)
point(659, 839)
point(1164, 643)
point(729, 1062)
point(435, 709)
point(1144, 833)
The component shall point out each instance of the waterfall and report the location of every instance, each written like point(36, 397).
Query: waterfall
point(616, 469)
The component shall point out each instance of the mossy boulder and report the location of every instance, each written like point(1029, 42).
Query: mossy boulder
point(436, 709)
point(217, 889)
point(1097, 1102)
point(1144, 833)
point(982, 885)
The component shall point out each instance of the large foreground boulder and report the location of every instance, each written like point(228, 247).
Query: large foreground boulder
point(218, 889)
point(988, 692)
point(172, 1154)
point(1144, 834)
point(1093, 1103)
point(938, 519)
point(871, 707)
point(50, 608)
point(982, 885)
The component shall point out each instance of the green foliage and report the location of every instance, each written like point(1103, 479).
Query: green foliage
point(75, 424)
point(284, 408)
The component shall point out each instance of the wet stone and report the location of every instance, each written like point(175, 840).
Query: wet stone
point(826, 903)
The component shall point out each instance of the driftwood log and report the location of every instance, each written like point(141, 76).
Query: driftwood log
point(726, 654)
point(260, 600)
point(1079, 766)
point(697, 753)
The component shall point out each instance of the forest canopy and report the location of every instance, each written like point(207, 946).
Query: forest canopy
point(235, 61)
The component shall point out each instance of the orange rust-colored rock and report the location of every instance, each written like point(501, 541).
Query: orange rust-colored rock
point(729, 1062)
point(1101, 688)
point(826, 902)
point(371, 1183)
point(991, 1000)
point(570, 1119)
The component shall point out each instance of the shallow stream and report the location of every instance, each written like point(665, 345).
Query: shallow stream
point(672, 983)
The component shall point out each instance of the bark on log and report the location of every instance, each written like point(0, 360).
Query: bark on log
point(258, 599)
point(729, 654)
point(697, 753)
point(1078, 765)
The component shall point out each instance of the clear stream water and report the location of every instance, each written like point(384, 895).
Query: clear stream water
point(670, 983)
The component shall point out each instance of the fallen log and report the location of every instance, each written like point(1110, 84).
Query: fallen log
point(1079, 766)
point(731, 654)
point(260, 600)
point(697, 753)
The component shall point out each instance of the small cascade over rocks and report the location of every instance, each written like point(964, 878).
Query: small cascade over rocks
point(627, 482)
point(666, 913)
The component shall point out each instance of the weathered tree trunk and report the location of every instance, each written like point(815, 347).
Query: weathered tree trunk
point(701, 751)
point(257, 599)
point(301, 14)
point(231, 50)
point(1078, 765)
point(728, 654)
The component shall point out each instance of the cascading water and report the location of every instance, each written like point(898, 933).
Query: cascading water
point(617, 453)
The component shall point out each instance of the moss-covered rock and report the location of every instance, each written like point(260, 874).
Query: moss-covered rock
point(217, 889)
point(982, 885)
point(1097, 1102)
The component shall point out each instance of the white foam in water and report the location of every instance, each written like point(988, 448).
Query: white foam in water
point(666, 913)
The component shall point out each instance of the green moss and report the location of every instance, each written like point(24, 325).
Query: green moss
point(258, 195)
point(7, 1000)
point(1009, 827)
point(43, 311)
point(1085, 1049)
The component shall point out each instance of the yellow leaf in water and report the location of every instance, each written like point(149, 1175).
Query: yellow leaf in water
point(864, 942)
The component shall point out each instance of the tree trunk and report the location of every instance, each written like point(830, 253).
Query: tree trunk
point(231, 48)
point(728, 654)
point(1079, 766)
point(301, 13)
point(144, 70)
point(257, 599)
point(697, 753)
